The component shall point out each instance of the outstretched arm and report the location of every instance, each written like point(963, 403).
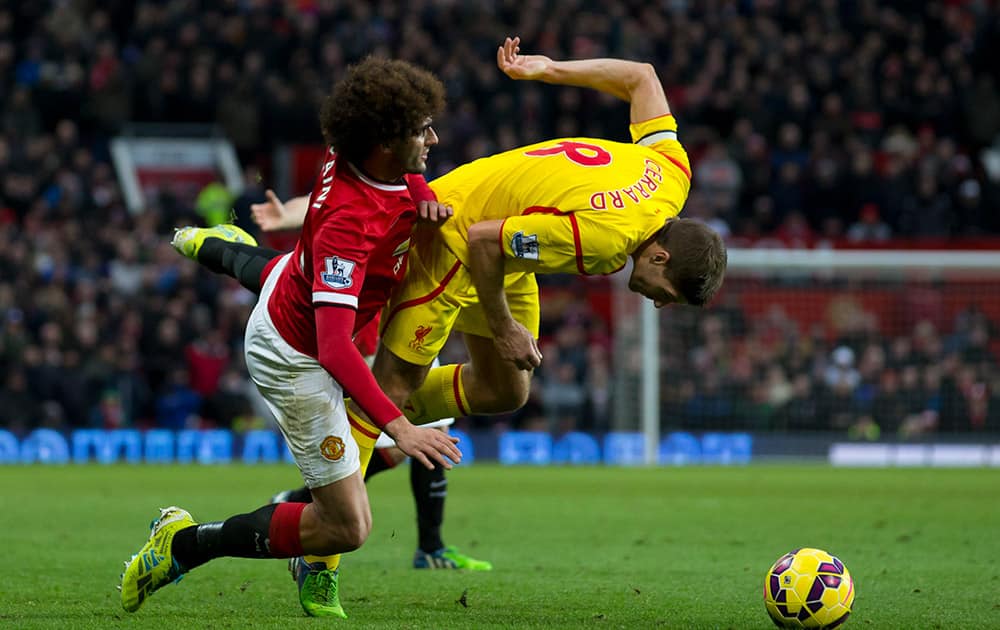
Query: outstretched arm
point(272, 215)
point(630, 81)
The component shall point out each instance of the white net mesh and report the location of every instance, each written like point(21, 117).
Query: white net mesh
point(869, 344)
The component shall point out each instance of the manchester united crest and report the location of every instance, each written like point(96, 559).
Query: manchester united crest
point(332, 448)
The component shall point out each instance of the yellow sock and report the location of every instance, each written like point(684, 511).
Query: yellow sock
point(441, 396)
point(331, 562)
point(365, 434)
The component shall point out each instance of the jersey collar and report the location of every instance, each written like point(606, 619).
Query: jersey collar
point(376, 184)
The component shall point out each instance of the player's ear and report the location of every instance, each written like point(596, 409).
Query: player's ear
point(659, 256)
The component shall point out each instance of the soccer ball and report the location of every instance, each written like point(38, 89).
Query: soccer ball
point(808, 588)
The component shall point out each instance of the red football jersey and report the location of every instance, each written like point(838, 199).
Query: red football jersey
point(352, 252)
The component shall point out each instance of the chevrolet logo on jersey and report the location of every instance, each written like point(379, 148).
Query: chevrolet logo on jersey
point(338, 274)
point(525, 246)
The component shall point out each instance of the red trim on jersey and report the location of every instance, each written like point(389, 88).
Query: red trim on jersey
point(426, 298)
point(643, 122)
point(361, 428)
point(572, 221)
point(543, 210)
point(500, 235)
point(576, 243)
point(456, 383)
point(678, 164)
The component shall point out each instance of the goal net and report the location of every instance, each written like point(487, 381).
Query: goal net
point(866, 345)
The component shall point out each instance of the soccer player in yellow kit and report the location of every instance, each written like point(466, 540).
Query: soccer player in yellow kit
point(570, 205)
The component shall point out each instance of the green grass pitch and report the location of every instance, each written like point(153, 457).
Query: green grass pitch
point(572, 547)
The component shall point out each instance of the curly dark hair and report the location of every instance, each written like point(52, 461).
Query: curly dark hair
point(697, 259)
point(378, 101)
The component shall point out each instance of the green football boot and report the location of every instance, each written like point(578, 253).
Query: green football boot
point(188, 240)
point(449, 558)
point(318, 588)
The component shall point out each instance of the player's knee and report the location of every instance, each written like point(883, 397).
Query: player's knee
point(517, 391)
point(509, 396)
point(519, 394)
point(347, 535)
point(342, 527)
point(356, 532)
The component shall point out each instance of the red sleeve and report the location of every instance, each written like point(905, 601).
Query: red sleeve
point(366, 339)
point(341, 359)
point(419, 190)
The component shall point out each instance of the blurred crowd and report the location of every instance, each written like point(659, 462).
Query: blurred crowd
point(902, 372)
point(849, 120)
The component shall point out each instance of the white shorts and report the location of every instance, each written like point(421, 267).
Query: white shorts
point(307, 403)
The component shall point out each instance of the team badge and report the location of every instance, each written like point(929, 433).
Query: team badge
point(332, 448)
point(339, 273)
point(525, 245)
point(419, 335)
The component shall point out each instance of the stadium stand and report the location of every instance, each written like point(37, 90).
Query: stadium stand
point(830, 122)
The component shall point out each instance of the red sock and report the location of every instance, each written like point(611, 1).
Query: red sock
point(285, 541)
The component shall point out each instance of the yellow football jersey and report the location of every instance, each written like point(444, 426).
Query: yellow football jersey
point(571, 205)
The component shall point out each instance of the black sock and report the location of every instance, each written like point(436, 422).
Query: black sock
point(430, 487)
point(244, 262)
point(241, 536)
point(299, 495)
point(381, 461)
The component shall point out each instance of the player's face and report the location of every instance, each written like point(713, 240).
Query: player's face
point(648, 279)
point(412, 151)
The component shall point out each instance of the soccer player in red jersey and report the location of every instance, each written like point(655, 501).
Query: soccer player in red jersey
point(299, 348)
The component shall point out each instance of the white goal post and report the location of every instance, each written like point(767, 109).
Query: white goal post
point(822, 264)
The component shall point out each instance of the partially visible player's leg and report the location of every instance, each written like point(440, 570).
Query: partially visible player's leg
point(384, 458)
point(430, 487)
point(415, 334)
point(491, 384)
point(485, 385)
point(338, 522)
point(309, 408)
point(226, 249)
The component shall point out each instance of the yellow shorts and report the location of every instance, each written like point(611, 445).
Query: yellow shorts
point(438, 296)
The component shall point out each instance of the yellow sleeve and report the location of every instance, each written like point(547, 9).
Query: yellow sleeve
point(563, 243)
point(660, 134)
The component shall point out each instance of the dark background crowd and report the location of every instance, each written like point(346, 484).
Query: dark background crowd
point(828, 121)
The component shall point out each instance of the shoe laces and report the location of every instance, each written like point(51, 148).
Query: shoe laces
point(323, 587)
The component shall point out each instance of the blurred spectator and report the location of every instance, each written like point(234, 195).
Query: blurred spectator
point(178, 404)
point(869, 228)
